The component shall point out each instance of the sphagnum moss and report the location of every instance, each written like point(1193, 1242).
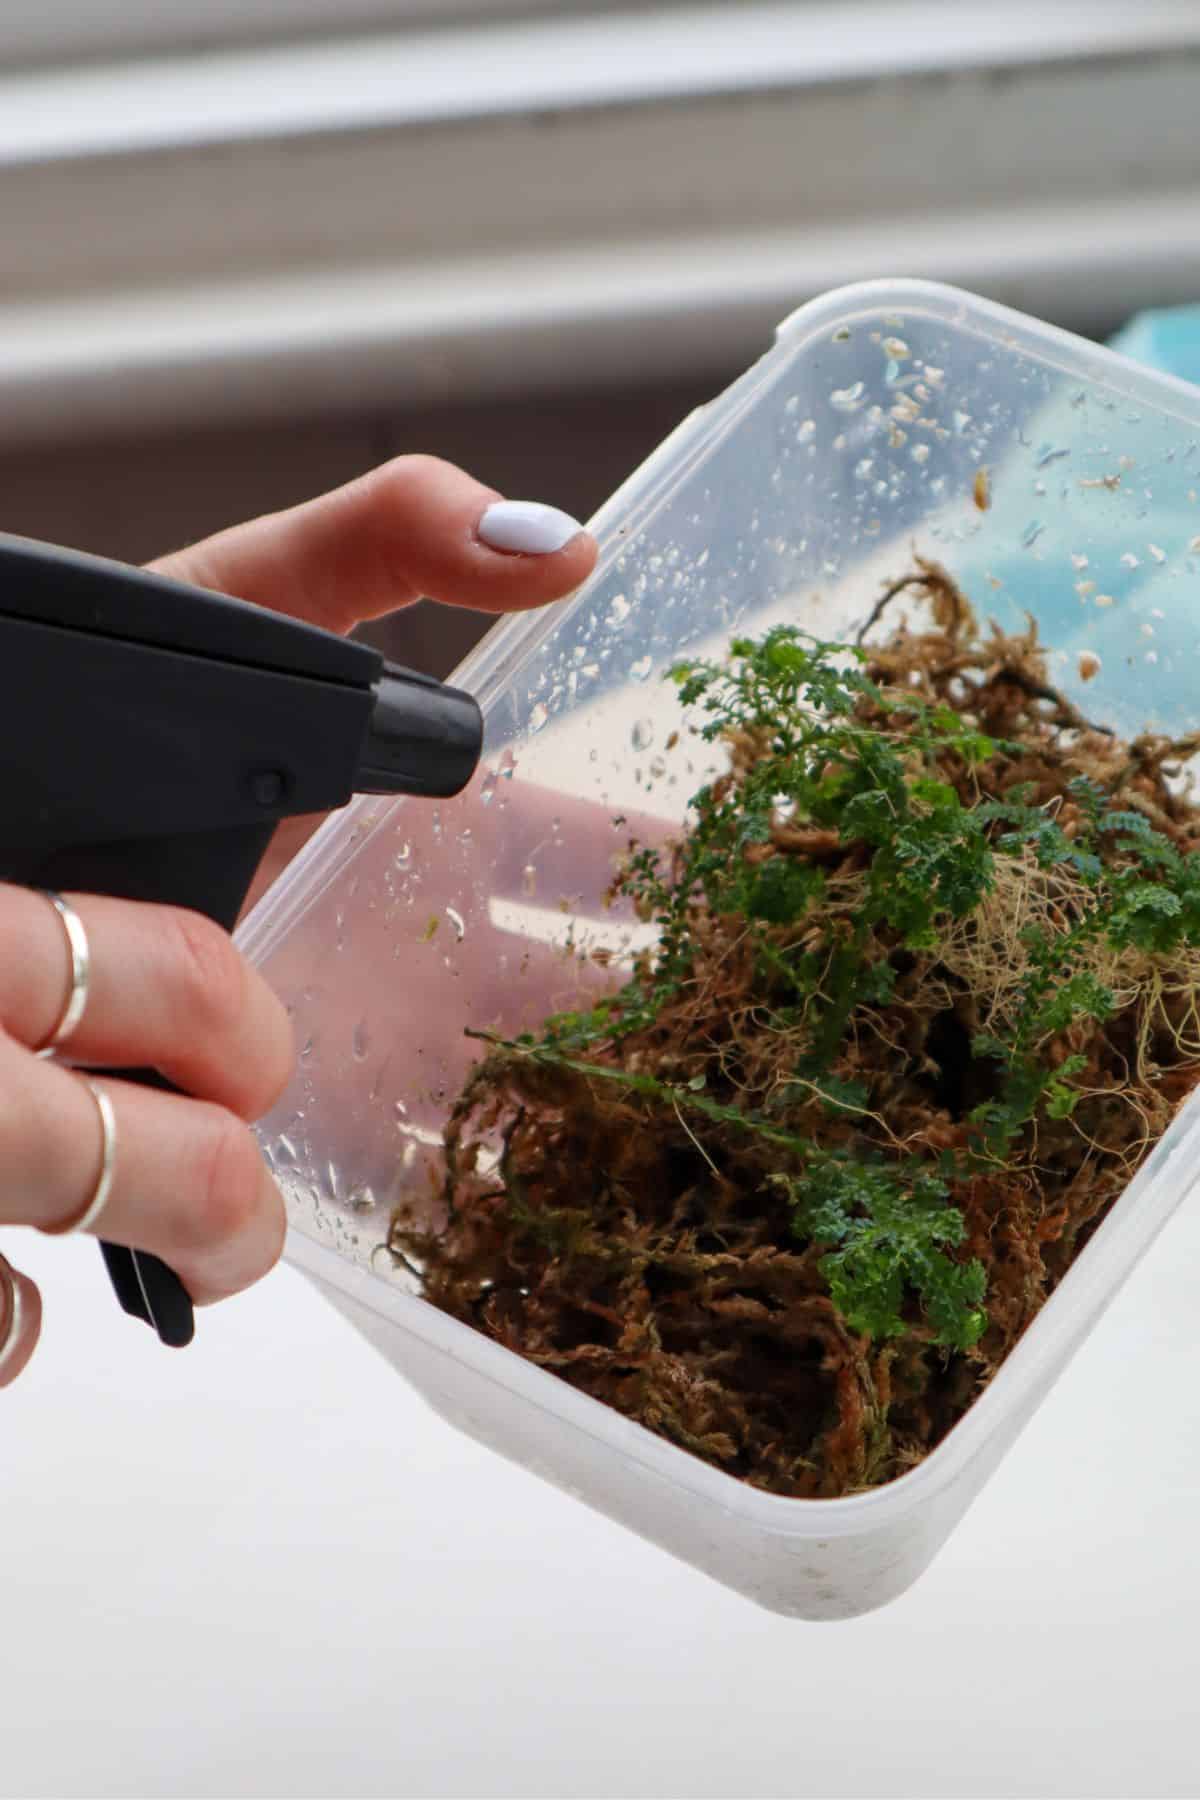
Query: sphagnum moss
point(924, 996)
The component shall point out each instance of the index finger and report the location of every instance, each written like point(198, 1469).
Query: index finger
point(406, 531)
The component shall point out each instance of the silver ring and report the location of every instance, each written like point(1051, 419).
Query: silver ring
point(108, 1165)
point(12, 1336)
point(81, 972)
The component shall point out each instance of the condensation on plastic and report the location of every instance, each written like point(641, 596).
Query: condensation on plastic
point(857, 439)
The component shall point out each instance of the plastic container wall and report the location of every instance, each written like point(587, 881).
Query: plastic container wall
point(1051, 478)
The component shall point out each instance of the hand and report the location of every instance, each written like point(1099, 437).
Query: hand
point(407, 531)
point(168, 990)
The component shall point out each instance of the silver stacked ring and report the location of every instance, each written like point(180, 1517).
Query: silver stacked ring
point(12, 1335)
point(72, 1013)
point(81, 973)
point(108, 1164)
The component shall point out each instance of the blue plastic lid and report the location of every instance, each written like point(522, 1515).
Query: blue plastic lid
point(1167, 339)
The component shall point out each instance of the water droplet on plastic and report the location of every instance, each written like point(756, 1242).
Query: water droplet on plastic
point(1159, 555)
point(848, 399)
point(961, 421)
point(399, 1108)
point(306, 1049)
point(529, 880)
point(459, 924)
point(619, 610)
point(1078, 560)
point(1031, 533)
point(658, 766)
point(538, 717)
point(641, 668)
point(361, 1042)
point(1129, 560)
point(362, 1200)
point(920, 453)
point(805, 431)
point(642, 735)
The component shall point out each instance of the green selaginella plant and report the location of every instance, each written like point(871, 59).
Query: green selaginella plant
point(922, 955)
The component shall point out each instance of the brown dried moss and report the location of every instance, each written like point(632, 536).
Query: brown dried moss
point(609, 1217)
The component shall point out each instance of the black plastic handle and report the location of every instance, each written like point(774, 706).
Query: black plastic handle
point(146, 1288)
point(149, 1291)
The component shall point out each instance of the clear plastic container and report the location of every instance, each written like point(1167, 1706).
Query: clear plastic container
point(858, 438)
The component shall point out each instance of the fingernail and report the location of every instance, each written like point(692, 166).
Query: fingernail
point(527, 528)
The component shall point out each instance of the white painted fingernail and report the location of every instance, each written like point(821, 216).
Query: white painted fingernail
point(527, 528)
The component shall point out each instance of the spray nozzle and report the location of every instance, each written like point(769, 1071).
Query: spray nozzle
point(423, 737)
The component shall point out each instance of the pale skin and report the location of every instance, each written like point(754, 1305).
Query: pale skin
point(168, 989)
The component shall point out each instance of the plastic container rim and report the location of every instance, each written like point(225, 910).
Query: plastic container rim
point(1075, 355)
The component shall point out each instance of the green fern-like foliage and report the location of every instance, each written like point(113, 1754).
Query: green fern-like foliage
point(825, 747)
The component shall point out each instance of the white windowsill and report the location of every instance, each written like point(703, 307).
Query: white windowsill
point(437, 216)
point(659, 54)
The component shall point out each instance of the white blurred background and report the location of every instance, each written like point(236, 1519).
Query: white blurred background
point(247, 249)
